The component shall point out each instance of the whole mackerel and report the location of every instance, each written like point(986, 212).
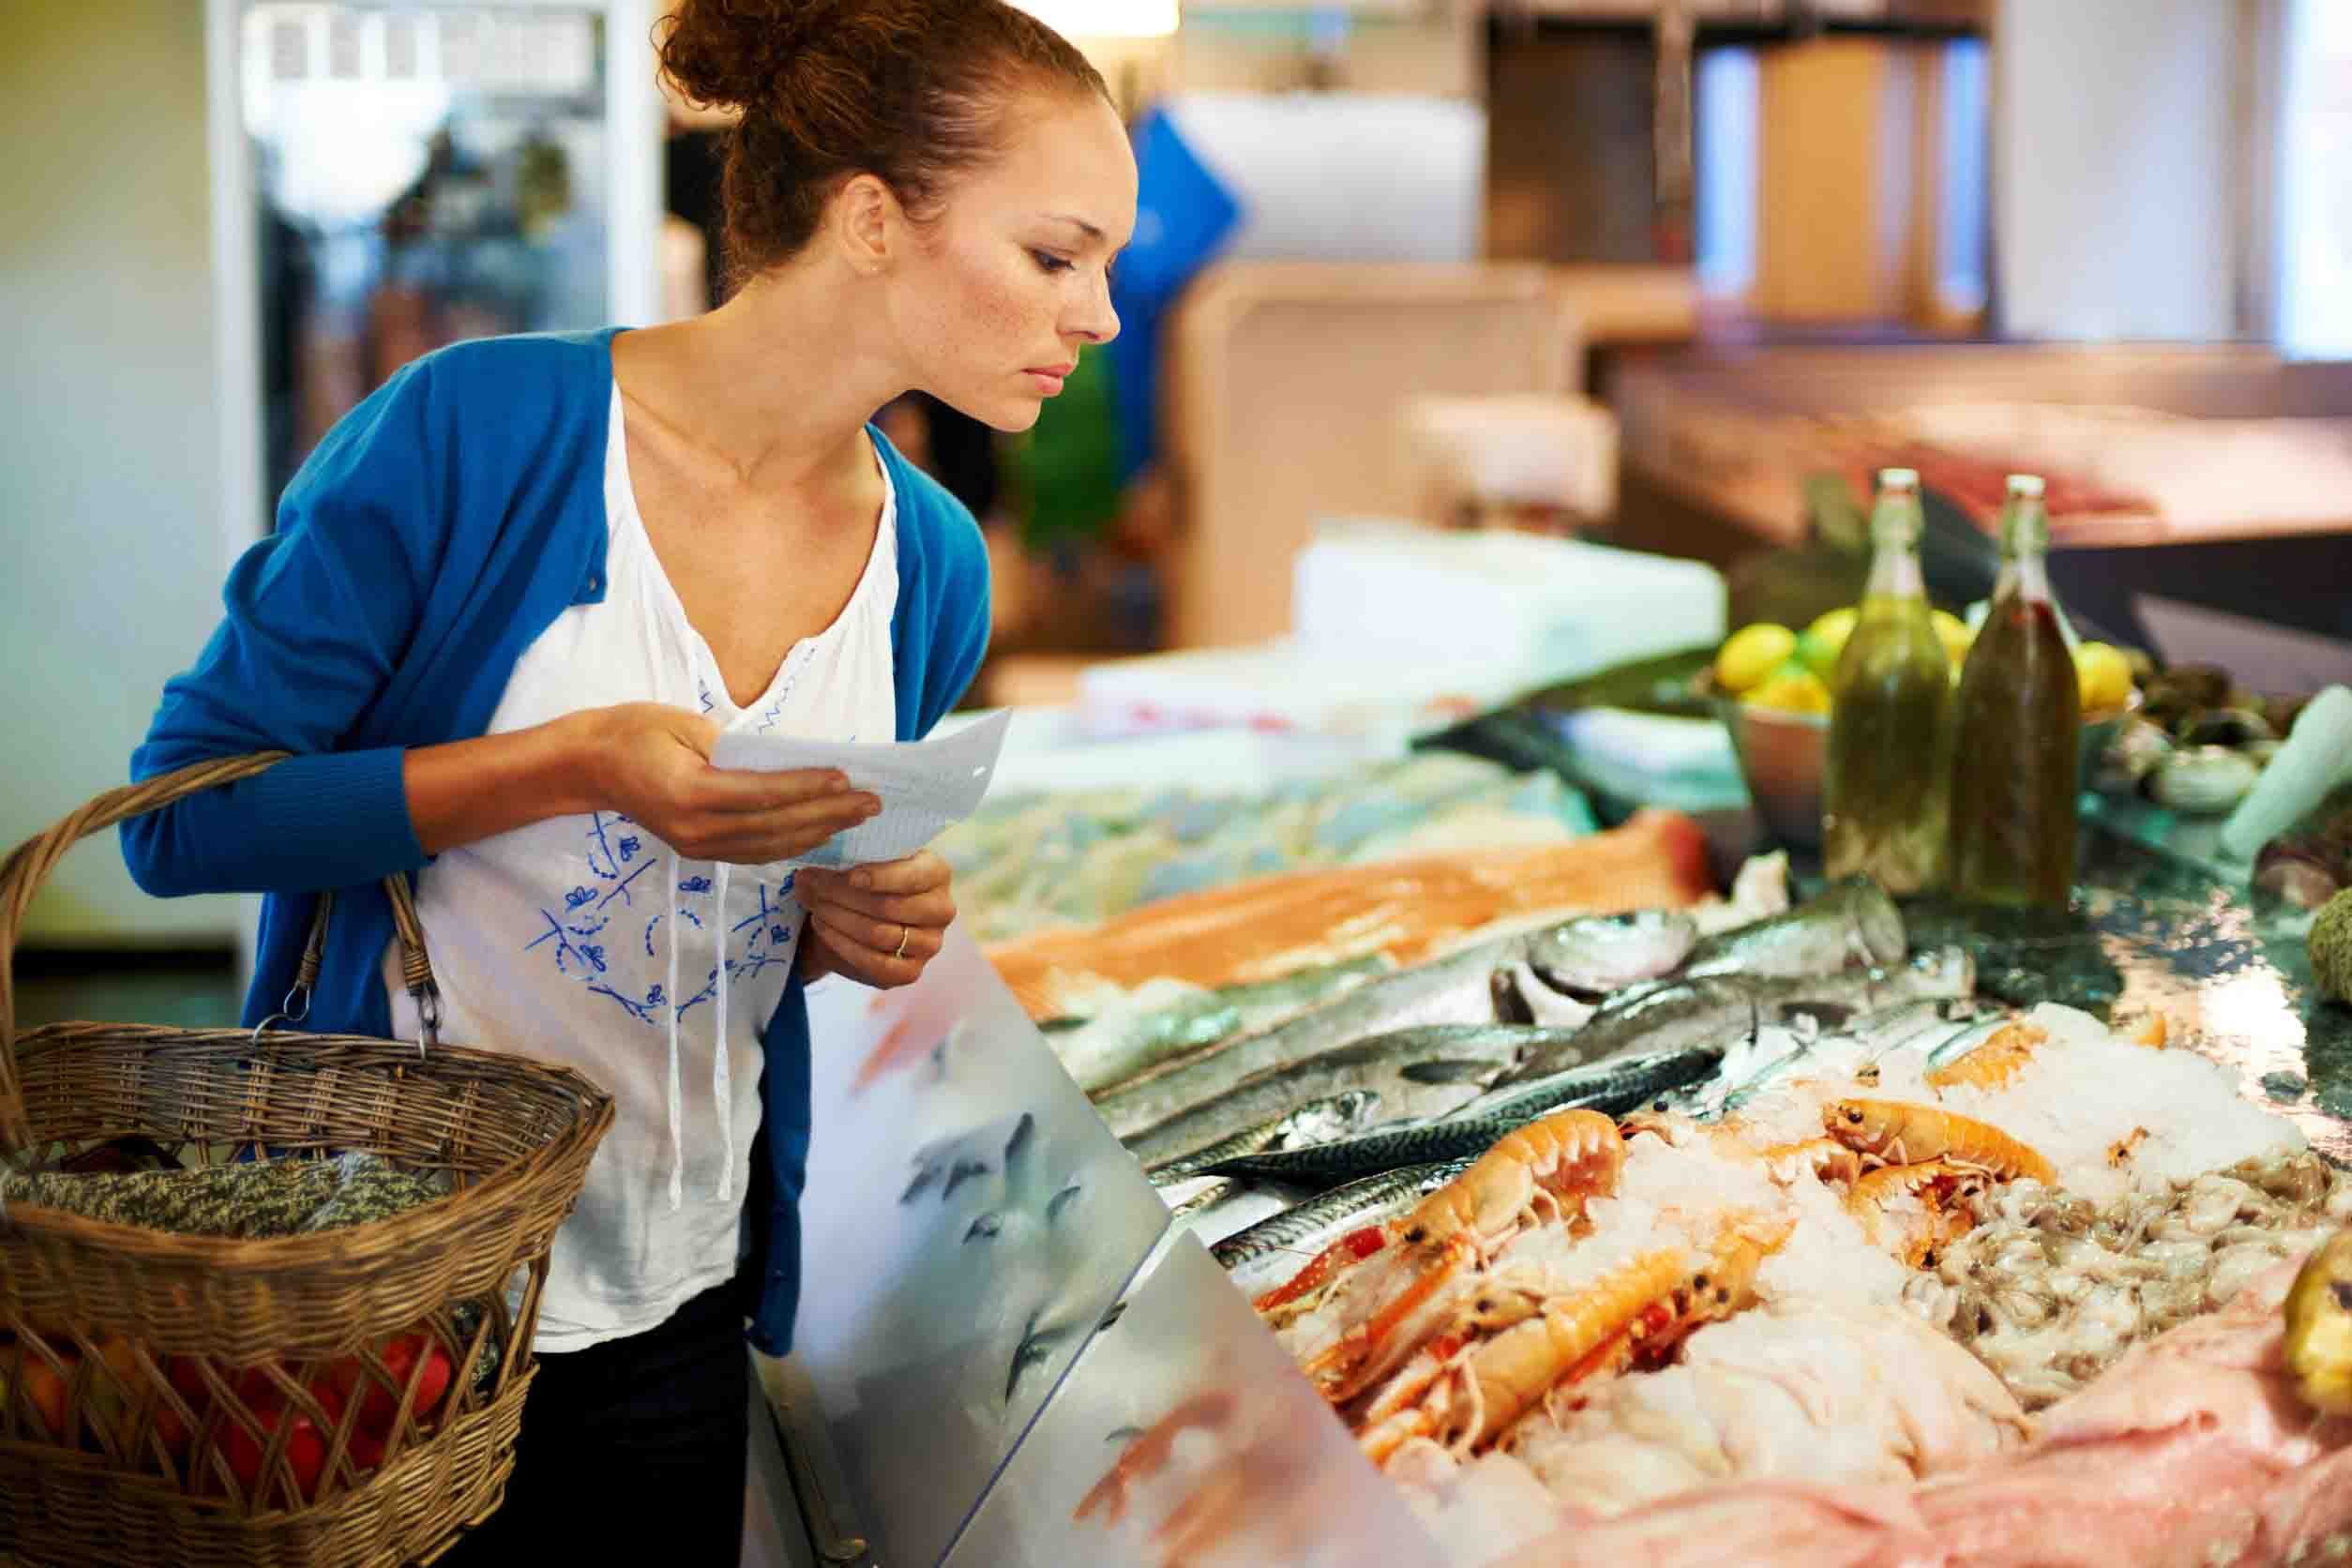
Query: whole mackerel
point(1459, 990)
point(1415, 1072)
point(1318, 1120)
point(1236, 1207)
point(1611, 1088)
point(1270, 1252)
point(1714, 1009)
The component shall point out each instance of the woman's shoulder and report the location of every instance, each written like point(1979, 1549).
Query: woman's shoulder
point(548, 369)
point(937, 533)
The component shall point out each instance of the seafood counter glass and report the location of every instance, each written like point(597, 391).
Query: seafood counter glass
point(969, 1229)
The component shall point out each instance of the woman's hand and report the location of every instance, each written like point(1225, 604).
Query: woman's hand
point(878, 924)
point(654, 763)
point(650, 761)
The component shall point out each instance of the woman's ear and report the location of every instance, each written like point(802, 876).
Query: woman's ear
point(867, 223)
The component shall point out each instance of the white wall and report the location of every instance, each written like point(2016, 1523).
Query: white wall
point(2112, 148)
point(111, 552)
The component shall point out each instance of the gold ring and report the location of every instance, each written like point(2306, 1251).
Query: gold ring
point(904, 932)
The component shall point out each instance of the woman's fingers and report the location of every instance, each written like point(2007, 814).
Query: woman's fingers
point(877, 936)
point(935, 907)
point(917, 873)
point(755, 838)
point(741, 789)
point(879, 967)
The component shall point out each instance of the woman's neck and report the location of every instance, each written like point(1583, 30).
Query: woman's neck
point(776, 383)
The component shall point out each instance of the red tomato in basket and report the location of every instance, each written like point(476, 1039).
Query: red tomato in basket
point(306, 1451)
point(399, 1354)
point(365, 1450)
point(42, 1408)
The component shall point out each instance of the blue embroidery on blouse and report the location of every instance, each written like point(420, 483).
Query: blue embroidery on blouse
point(580, 951)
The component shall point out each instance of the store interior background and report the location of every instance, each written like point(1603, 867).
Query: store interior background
point(1865, 171)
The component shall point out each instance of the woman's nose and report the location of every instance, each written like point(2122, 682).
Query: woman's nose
point(1093, 319)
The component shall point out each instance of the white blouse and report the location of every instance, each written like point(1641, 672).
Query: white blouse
point(585, 941)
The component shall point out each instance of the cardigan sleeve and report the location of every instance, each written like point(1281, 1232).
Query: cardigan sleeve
point(319, 615)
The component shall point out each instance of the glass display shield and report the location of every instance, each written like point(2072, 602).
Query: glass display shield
point(968, 1224)
point(1184, 1435)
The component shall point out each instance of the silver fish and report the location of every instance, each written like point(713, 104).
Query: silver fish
point(1112, 1047)
point(1415, 1072)
point(1116, 1045)
point(1521, 997)
point(1926, 1025)
point(1716, 1009)
point(1457, 989)
point(1238, 1206)
point(1853, 924)
point(1321, 1121)
point(1270, 1252)
point(1350, 1159)
point(1459, 1136)
point(1603, 953)
point(1611, 1087)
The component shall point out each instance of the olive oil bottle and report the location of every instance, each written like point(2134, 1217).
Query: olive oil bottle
point(2017, 753)
point(1886, 787)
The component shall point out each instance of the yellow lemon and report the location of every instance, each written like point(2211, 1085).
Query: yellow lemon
point(1825, 640)
point(2104, 676)
point(1751, 654)
point(1791, 688)
point(1956, 635)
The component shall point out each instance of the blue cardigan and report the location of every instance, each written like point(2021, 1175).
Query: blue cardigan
point(439, 528)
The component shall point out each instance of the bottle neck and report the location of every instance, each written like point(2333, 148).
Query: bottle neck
point(1894, 571)
point(2025, 553)
point(2024, 577)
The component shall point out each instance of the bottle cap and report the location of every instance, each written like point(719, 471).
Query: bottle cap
point(1898, 478)
point(2027, 485)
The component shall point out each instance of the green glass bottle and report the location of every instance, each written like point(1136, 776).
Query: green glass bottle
point(1887, 784)
point(2016, 769)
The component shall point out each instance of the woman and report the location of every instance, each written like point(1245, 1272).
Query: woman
point(517, 594)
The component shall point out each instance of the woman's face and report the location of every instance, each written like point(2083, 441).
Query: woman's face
point(1010, 282)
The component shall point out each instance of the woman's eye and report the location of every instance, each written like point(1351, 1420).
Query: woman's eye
point(1048, 262)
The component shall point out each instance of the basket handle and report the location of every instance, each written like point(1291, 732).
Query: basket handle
point(28, 867)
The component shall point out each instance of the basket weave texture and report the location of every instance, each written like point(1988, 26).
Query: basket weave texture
point(155, 1388)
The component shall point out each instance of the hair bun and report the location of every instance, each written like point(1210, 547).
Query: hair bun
point(736, 54)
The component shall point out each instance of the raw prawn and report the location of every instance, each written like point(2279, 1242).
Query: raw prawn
point(2000, 1058)
point(1901, 1133)
point(1826, 1158)
point(1934, 1183)
point(1547, 1170)
point(1465, 1398)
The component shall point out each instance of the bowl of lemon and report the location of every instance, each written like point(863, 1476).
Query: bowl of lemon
point(1772, 687)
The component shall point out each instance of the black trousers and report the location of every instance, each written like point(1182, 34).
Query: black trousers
point(654, 1426)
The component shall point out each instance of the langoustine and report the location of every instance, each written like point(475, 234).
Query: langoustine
point(1521, 1347)
point(1388, 1288)
point(1901, 1133)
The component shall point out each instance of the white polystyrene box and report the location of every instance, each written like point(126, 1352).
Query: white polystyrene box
point(1545, 609)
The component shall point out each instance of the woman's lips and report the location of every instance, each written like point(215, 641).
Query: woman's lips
point(1048, 379)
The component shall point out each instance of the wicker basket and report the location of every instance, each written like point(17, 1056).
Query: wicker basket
point(159, 1385)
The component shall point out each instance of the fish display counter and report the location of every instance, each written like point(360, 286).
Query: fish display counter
point(1784, 1224)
